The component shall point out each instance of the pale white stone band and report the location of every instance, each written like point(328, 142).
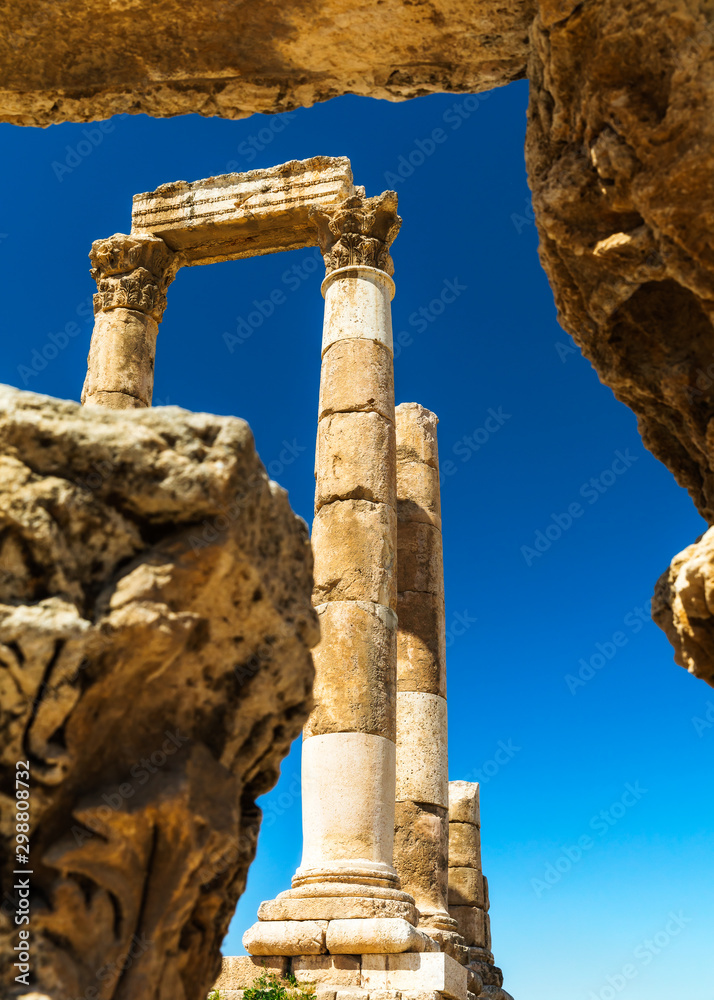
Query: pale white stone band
point(357, 306)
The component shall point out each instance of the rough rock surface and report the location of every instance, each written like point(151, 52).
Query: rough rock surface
point(155, 626)
point(620, 154)
point(80, 62)
point(683, 607)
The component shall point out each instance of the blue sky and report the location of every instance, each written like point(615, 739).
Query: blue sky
point(597, 821)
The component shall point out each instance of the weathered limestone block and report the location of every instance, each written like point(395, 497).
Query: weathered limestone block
point(473, 925)
point(355, 459)
point(235, 61)
point(238, 972)
point(464, 846)
point(422, 764)
point(415, 972)
point(421, 648)
point(683, 607)
point(464, 802)
point(338, 970)
point(286, 937)
point(417, 437)
point(242, 215)
point(417, 493)
point(291, 906)
point(620, 155)
point(357, 375)
point(142, 551)
point(374, 936)
point(421, 847)
point(420, 565)
point(359, 645)
point(467, 887)
point(358, 563)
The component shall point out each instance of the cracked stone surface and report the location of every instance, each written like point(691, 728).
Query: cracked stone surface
point(88, 61)
point(620, 155)
point(155, 627)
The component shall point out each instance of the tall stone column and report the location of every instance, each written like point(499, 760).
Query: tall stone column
point(132, 275)
point(422, 799)
point(468, 889)
point(346, 883)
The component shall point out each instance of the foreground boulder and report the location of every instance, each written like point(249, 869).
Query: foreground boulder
point(620, 155)
point(683, 607)
point(175, 58)
point(155, 627)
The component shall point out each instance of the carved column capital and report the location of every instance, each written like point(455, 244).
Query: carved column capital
point(132, 272)
point(359, 231)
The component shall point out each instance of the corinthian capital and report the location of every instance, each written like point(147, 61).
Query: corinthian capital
point(132, 272)
point(358, 231)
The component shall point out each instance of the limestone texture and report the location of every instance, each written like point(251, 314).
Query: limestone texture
point(242, 215)
point(421, 848)
point(339, 970)
point(286, 937)
point(421, 649)
point(241, 971)
point(155, 627)
point(357, 375)
point(420, 561)
point(620, 156)
point(422, 762)
point(359, 646)
point(464, 802)
point(166, 59)
point(353, 541)
point(424, 971)
point(374, 936)
point(355, 458)
point(467, 888)
point(464, 845)
point(683, 606)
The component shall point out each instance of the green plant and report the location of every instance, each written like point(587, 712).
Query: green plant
point(270, 986)
point(214, 995)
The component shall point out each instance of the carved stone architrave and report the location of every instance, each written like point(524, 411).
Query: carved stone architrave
point(133, 272)
point(358, 232)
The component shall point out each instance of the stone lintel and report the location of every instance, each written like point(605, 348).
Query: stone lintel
point(244, 215)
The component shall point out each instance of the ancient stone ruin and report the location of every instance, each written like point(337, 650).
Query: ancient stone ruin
point(619, 159)
point(168, 506)
point(378, 881)
point(390, 894)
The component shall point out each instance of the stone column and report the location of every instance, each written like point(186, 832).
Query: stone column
point(132, 275)
point(346, 878)
point(468, 889)
point(422, 820)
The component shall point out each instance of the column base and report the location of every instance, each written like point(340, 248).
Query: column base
point(444, 930)
point(339, 901)
point(336, 936)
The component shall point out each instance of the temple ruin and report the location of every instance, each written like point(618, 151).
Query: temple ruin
point(390, 894)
